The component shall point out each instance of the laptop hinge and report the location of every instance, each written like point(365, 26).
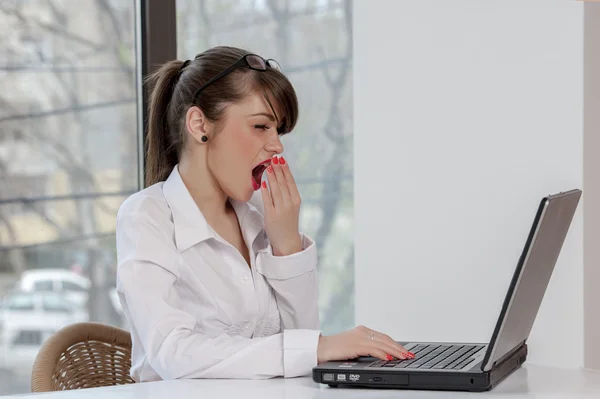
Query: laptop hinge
point(506, 355)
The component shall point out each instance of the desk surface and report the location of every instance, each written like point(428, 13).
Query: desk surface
point(529, 382)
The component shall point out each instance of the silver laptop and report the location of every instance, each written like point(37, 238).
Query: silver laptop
point(475, 366)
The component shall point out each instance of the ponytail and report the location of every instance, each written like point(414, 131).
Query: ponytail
point(163, 141)
point(172, 89)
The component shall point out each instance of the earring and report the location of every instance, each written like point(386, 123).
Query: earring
point(204, 139)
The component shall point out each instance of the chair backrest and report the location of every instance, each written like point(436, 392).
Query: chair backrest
point(83, 355)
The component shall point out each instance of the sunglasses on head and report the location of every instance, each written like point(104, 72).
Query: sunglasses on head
point(251, 61)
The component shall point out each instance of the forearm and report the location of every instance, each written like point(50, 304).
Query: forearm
point(193, 355)
point(294, 281)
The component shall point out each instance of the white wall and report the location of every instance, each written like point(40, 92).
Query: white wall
point(591, 176)
point(466, 114)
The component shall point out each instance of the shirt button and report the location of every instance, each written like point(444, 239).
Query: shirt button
point(245, 279)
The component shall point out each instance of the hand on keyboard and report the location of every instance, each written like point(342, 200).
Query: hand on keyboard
point(435, 356)
point(360, 341)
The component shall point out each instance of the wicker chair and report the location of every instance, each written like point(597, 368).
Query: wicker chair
point(83, 355)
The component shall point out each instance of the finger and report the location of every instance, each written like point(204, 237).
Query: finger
point(283, 187)
point(374, 352)
point(386, 343)
point(274, 187)
point(266, 196)
point(289, 178)
point(387, 339)
point(390, 349)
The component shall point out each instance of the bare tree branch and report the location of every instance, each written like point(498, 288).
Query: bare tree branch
point(53, 146)
point(16, 257)
point(51, 27)
point(334, 131)
point(261, 19)
point(69, 35)
point(58, 15)
point(114, 23)
point(282, 17)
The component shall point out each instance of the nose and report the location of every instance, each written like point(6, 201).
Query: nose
point(274, 145)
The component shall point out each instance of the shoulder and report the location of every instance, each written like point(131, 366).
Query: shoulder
point(144, 229)
point(149, 205)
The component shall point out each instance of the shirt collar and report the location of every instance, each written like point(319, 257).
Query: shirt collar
point(190, 224)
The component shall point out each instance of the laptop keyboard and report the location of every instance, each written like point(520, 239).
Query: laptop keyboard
point(445, 357)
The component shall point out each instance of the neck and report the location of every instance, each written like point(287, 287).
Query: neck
point(204, 189)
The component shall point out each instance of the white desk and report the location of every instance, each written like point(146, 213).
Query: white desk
point(529, 382)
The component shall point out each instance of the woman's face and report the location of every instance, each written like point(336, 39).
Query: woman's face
point(240, 152)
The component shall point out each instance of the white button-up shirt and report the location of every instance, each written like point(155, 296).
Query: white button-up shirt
point(194, 307)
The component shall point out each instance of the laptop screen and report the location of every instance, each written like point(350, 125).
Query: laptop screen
point(532, 275)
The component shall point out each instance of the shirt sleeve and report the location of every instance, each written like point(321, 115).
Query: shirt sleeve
point(294, 280)
point(147, 277)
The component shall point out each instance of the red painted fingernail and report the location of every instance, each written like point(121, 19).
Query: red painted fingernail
point(390, 357)
point(275, 160)
point(264, 184)
point(282, 160)
point(269, 169)
point(412, 354)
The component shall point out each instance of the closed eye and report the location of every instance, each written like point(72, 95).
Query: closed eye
point(262, 127)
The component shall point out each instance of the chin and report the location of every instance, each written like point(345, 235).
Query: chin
point(242, 196)
point(247, 196)
point(240, 191)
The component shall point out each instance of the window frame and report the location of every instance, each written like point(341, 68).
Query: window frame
point(157, 43)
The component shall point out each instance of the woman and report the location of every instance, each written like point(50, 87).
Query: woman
point(214, 277)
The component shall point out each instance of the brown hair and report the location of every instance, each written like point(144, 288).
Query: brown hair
point(171, 91)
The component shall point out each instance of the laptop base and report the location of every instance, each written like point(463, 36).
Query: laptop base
point(474, 380)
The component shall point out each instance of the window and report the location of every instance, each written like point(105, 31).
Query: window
point(28, 338)
point(43, 285)
point(69, 286)
point(312, 40)
point(19, 303)
point(71, 128)
point(51, 303)
point(69, 108)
